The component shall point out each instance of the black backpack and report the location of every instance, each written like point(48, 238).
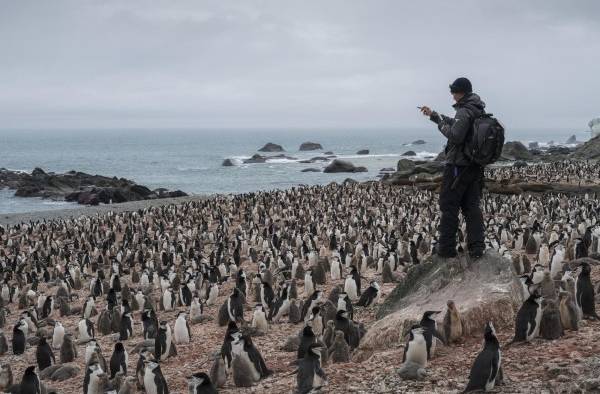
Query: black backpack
point(484, 145)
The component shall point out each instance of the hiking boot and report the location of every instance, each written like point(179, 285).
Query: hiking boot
point(476, 254)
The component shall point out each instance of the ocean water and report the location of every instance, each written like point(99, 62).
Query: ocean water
point(190, 160)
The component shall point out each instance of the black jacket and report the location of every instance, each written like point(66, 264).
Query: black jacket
point(457, 129)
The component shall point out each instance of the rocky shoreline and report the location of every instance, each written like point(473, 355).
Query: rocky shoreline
point(75, 186)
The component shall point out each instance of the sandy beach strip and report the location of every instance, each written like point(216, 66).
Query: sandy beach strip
point(9, 219)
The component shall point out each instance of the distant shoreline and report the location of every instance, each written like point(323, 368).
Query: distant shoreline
point(9, 219)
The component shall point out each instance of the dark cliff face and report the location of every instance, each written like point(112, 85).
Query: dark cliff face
point(79, 186)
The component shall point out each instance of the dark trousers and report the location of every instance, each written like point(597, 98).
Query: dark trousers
point(461, 191)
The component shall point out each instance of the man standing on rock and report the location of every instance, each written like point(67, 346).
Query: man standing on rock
point(463, 180)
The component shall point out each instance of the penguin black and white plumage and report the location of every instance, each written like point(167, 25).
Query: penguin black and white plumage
point(86, 330)
point(241, 282)
point(19, 337)
point(44, 355)
point(267, 295)
point(150, 324)
point(181, 331)
point(48, 307)
point(351, 332)
point(487, 365)
point(118, 360)
point(248, 364)
point(311, 377)
point(169, 300)
point(415, 349)
point(126, 329)
point(370, 296)
point(345, 304)
point(235, 306)
point(30, 383)
point(352, 284)
point(185, 294)
point(145, 355)
point(317, 322)
point(213, 293)
point(88, 307)
point(335, 269)
point(162, 343)
point(307, 338)
point(200, 383)
point(309, 282)
point(586, 297)
point(3, 343)
point(154, 381)
point(430, 331)
point(527, 324)
point(92, 381)
point(310, 303)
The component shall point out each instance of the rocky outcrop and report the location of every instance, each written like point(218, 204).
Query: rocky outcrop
point(425, 173)
point(343, 166)
point(589, 150)
point(571, 140)
point(405, 165)
point(255, 159)
point(483, 290)
point(363, 152)
point(271, 147)
point(228, 163)
point(409, 153)
point(80, 187)
point(515, 150)
point(310, 146)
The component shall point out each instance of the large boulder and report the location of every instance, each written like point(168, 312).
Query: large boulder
point(255, 159)
point(419, 142)
point(343, 166)
point(405, 165)
point(409, 153)
point(589, 150)
point(483, 290)
point(363, 152)
point(271, 147)
point(228, 163)
point(310, 146)
point(515, 150)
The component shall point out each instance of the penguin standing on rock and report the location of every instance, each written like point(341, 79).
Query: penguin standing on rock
point(586, 293)
point(529, 316)
point(370, 296)
point(487, 368)
point(44, 355)
point(162, 343)
point(19, 337)
point(430, 331)
point(118, 360)
point(415, 349)
point(200, 383)
point(311, 377)
point(30, 383)
point(154, 381)
point(182, 333)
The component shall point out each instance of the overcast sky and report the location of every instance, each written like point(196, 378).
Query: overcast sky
point(325, 63)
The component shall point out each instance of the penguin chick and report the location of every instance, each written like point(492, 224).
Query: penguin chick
point(339, 351)
point(569, 314)
point(259, 319)
point(551, 325)
point(453, 328)
point(6, 377)
point(68, 350)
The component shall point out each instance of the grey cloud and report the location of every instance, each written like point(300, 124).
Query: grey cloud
point(287, 63)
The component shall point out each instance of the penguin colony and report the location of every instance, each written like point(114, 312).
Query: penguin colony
point(121, 293)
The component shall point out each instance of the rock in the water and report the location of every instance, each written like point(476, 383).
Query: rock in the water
point(486, 290)
point(310, 170)
point(571, 140)
point(409, 153)
point(255, 159)
point(363, 152)
point(515, 150)
point(271, 147)
point(310, 146)
point(419, 142)
point(343, 166)
point(228, 163)
point(405, 165)
point(76, 186)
